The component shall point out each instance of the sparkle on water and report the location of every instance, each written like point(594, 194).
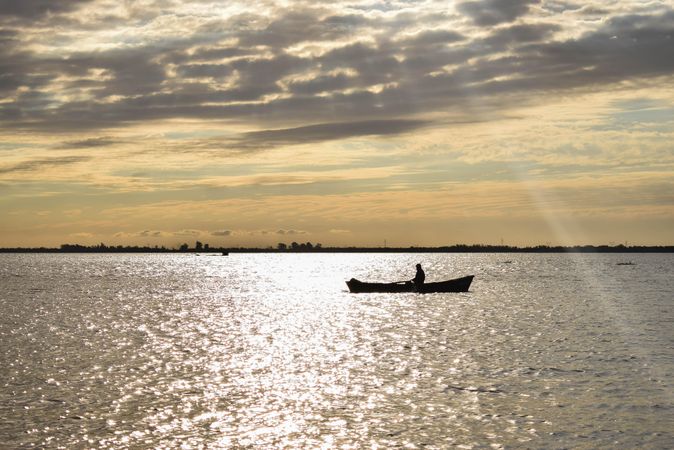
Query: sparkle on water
point(271, 350)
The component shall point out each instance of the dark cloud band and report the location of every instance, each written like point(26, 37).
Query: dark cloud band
point(40, 164)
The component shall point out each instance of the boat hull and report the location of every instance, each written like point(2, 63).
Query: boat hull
point(456, 285)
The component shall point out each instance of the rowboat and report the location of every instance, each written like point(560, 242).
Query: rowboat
point(456, 285)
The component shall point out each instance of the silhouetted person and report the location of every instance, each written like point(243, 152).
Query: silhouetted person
point(420, 277)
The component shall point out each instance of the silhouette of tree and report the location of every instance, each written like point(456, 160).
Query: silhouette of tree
point(281, 246)
point(198, 246)
point(184, 247)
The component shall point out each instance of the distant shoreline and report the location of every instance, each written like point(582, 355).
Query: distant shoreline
point(75, 248)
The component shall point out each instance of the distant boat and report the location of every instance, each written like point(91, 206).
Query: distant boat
point(628, 263)
point(456, 285)
point(225, 253)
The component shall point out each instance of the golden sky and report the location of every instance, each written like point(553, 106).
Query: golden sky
point(157, 122)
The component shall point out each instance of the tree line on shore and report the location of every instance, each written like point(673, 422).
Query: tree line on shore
point(296, 247)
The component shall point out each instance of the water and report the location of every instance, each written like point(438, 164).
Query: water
point(268, 350)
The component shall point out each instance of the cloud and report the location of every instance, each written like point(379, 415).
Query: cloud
point(290, 232)
point(143, 233)
point(295, 27)
point(152, 233)
point(522, 33)
point(33, 9)
point(158, 233)
point(326, 132)
point(44, 163)
point(627, 47)
point(322, 83)
point(433, 37)
point(187, 233)
point(89, 143)
point(493, 12)
point(243, 232)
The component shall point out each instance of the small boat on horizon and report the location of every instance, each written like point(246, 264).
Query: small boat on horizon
point(456, 285)
point(628, 263)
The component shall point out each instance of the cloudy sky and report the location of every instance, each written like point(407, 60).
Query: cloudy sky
point(346, 122)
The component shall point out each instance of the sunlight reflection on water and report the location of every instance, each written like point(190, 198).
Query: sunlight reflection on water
point(272, 351)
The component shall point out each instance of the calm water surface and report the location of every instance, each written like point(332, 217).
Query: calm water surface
point(271, 351)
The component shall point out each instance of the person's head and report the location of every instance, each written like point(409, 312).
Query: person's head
point(418, 266)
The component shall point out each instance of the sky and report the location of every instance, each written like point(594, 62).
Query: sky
point(410, 123)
